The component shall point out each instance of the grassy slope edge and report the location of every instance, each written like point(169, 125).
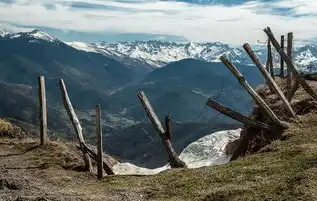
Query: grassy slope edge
point(286, 169)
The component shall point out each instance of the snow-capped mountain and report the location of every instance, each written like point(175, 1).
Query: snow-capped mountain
point(159, 53)
point(153, 54)
point(33, 36)
point(306, 58)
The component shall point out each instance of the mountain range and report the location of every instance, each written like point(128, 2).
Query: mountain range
point(177, 78)
point(160, 53)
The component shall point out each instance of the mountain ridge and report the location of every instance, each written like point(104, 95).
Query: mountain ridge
point(160, 53)
point(148, 55)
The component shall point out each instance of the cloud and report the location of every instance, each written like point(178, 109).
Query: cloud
point(235, 24)
point(13, 28)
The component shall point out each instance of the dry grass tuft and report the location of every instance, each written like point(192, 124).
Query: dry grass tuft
point(8, 130)
point(254, 139)
point(285, 169)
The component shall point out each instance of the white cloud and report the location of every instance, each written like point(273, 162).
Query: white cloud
point(234, 24)
point(11, 28)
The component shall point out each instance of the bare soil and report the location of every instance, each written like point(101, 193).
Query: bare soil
point(29, 172)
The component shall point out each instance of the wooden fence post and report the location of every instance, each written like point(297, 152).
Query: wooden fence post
point(290, 55)
point(291, 92)
point(99, 142)
point(269, 79)
point(174, 160)
point(296, 75)
point(94, 156)
point(76, 124)
point(281, 58)
point(270, 58)
point(267, 65)
point(43, 110)
point(252, 93)
point(235, 115)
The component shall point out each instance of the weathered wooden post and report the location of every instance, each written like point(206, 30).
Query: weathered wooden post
point(252, 93)
point(290, 55)
point(99, 142)
point(269, 79)
point(296, 75)
point(281, 58)
point(291, 92)
point(267, 65)
point(76, 124)
point(235, 115)
point(43, 110)
point(174, 160)
point(270, 58)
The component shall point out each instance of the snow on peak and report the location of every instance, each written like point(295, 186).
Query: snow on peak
point(3, 33)
point(82, 46)
point(42, 36)
point(160, 53)
point(306, 58)
point(32, 36)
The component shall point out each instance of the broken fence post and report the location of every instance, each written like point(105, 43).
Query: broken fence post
point(76, 124)
point(249, 89)
point(297, 76)
point(269, 79)
point(174, 160)
point(235, 115)
point(43, 110)
point(99, 142)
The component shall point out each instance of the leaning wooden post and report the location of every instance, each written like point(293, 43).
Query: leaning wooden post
point(99, 142)
point(235, 115)
point(296, 75)
point(252, 93)
point(93, 155)
point(269, 79)
point(290, 55)
point(43, 110)
point(291, 92)
point(281, 58)
point(174, 160)
point(76, 124)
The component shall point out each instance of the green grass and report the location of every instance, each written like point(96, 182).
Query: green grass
point(283, 170)
point(286, 170)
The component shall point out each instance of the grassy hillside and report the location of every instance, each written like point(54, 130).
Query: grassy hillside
point(285, 169)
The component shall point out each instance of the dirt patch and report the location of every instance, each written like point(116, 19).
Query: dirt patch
point(11, 185)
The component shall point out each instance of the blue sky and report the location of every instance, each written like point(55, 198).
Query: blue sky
point(233, 22)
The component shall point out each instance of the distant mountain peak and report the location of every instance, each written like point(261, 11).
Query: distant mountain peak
point(3, 33)
point(158, 53)
point(42, 36)
point(31, 36)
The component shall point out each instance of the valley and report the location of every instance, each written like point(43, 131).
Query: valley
point(111, 75)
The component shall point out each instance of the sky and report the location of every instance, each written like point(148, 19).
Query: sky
point(229, 21)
